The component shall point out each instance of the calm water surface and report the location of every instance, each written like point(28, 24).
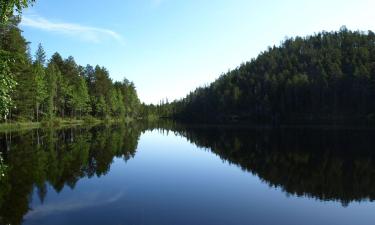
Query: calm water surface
point(170, 174)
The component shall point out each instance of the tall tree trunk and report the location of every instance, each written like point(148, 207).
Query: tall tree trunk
point(38, 137)
point(37, 112)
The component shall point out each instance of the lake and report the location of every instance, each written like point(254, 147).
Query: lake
point(170, 174)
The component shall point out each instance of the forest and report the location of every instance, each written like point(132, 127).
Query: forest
point(324, 78)
point(34, 88)
point(328, 77)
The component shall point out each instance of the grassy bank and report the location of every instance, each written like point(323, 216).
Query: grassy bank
point(56, 123)
point(20, 126)
point(14, 126)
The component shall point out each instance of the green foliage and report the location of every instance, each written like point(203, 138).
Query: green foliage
point(90, 120)
point(117, 103)
point(40, 55)
point(7, 7)
point(327, 77)
point(101, 107)
point(14, 46)
point(61, 89)
point(3, 167)
point(52, 74)
point(39, 87)
point(7, 85)
point(80, 97)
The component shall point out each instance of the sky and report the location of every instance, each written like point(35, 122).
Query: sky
point(170, 47)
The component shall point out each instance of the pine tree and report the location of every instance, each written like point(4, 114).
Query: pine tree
point(52, 74)
point(80, 97)
point(40, 55)
point(101, 107)
point(39, 87)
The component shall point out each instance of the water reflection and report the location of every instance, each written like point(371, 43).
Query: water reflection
point(58, 158)
point(322, 163)
point(325, 164)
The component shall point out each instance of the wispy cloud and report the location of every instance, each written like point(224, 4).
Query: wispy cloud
point(86, 33)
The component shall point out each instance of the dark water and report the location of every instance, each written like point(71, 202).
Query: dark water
point(167, 174)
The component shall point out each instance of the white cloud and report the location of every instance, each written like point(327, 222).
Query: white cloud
point(86, 33)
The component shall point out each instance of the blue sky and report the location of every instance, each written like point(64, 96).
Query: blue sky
point(169, 47)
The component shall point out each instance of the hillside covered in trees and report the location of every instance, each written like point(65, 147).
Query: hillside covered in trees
point(326, 77)
point(34, 88)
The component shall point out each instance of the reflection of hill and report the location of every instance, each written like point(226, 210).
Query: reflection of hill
point(323, 164)
point(58, 158)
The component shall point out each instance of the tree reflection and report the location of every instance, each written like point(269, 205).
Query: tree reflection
point(59, 159)
point(325, 164)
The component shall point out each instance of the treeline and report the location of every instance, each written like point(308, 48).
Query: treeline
point(34, 88)
point(327, 77)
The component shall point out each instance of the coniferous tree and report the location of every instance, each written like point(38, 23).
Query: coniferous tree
point(40, 55)
point(327, 77)
point(39, 87)
point(62, 89)
point(81, 98)
point(52, 74)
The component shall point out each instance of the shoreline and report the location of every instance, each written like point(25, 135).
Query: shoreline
point(62, 123)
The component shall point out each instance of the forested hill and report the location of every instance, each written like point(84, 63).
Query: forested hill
point(34, 88)
point(329, 76)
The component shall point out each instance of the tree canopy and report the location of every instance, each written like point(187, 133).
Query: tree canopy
point(7, 7)
point(56, 87)
point(329, 76)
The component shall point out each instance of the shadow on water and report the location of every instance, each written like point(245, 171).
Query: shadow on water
point(325, 164)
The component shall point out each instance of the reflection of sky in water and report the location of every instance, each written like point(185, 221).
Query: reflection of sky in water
point(171, 181)
point(85, 200)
